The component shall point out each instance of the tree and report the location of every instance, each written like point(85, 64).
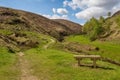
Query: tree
point(101, 20)
point(93, 28)
point(109, 14)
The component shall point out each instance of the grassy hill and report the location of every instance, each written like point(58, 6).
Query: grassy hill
point(17, 20)
point(106, 29)
point(16, 27)
point(30, 50)
point(113, 26)
point(74, 27)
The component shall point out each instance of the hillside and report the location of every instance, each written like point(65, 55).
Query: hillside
point(74, 27)
point(104, 29)
point(16, 26)
point(112, 27)
point(38, 55)
point(17, 20)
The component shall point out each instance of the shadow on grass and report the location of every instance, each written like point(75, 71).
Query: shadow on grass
point(105, 68)
point(97, 67)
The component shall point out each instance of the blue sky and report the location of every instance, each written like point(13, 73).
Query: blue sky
point(75, 10)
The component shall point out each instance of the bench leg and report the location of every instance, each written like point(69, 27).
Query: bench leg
point(79, 62)
point(94, 63)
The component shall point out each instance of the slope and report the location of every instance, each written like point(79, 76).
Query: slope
point(104, 29)
point(17, 20)
point(15, 26)
point(112, 26)
point(74, 27)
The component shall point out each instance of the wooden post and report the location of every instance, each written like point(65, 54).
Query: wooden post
point(79, 62)
point(94, 63)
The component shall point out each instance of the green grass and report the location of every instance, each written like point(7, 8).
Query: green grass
point(56, 64)
point(107, 49)
point(52, 64)
point(80, 38)
point(5, 32)
point(41, 38)
point(8, 67)
point(9, 64)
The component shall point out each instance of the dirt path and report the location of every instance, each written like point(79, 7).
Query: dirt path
point(25, 68)
point(51, 42)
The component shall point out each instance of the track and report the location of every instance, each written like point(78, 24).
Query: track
point(25, 68)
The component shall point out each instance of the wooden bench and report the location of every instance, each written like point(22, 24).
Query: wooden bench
point(94, 58)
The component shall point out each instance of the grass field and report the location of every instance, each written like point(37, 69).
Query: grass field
point(57, 64)
point(107, 49)
point(9, 70)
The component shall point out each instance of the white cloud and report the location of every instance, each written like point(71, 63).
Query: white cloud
point(108, 4)
point(116, 8)
point(71, 4)
point(90, 12)
point(92, 3)
point(55, 16)
point(65, 3)
point(74, 4)
point(93, 8)
point(62, 11)
point(54, 10)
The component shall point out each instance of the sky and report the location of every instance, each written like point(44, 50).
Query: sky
point(78, 11)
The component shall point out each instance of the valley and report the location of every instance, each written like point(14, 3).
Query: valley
point(33, 47)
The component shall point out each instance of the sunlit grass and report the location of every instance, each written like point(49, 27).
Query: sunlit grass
point(8, 67)
point(57, 64)
point(52, 64)
point(107, 49)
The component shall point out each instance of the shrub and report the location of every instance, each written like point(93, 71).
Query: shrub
point(14, 21)
point(93, 28)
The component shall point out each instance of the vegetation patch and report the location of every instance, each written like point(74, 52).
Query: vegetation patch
point(8, 67)
point(59, 65)
point(106, 49)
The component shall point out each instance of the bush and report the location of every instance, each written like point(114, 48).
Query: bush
point(93, 28)
point(8, 13)
point(14, 21)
